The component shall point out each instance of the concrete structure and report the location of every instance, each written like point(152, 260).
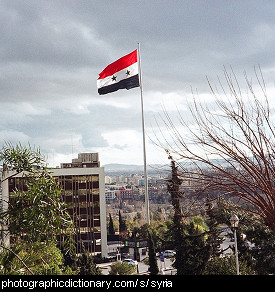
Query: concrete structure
point(5, 236)
point(83, 189)
point(84, 192)
point(110, 195)
point(83, 160)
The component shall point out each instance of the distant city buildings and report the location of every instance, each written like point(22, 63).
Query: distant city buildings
point(129, 188)
point(86, 191)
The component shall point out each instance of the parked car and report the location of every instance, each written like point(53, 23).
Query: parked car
point(169, 253)
point(124, 255)
point(130, 262)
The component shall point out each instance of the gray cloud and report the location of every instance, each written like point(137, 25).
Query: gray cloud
point(52, 51)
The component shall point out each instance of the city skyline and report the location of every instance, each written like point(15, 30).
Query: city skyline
point(51, 53)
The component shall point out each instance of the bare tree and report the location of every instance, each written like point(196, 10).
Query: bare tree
point(229, 147)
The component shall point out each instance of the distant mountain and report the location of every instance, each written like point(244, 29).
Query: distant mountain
point(118, 166)
point(156, 168)
point(113, 167)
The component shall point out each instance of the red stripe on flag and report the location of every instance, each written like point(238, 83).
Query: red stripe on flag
point(118, 65)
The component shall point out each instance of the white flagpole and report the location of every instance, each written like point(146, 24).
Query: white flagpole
point(147, 213)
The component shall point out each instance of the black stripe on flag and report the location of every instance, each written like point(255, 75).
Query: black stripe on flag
point(127, 83)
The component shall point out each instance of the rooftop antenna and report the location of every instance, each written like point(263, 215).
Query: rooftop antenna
point(72, 146)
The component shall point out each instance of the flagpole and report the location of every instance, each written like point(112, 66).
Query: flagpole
point(147, 213)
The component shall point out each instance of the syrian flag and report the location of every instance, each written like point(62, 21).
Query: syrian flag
point(121, 74)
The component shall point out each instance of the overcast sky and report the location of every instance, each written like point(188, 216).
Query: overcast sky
point(52, 51)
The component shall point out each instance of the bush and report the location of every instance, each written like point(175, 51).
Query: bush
point(122, 269)
point(226, 266)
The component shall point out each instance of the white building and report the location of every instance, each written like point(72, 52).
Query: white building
point(110, 195)
point(108, 180)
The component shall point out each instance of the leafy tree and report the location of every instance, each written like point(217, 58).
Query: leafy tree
point(36, 213)
point(263, 251)
point(119, 268)
point(153, 265)
point(260, 253)
point(214, 238)
point(122, 224)
point(21, 158)
point(173, 187)
point(70, 260)
point(86, 265)
point(36, 258)
point(162, 235)
point(226, 266)
point(192, 250)
point(195, 251)
point(111, 225)
point(7, 261)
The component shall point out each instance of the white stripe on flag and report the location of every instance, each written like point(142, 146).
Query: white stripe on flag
point(118, 76)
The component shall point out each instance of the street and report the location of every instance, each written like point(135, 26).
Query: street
point(166, 267)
